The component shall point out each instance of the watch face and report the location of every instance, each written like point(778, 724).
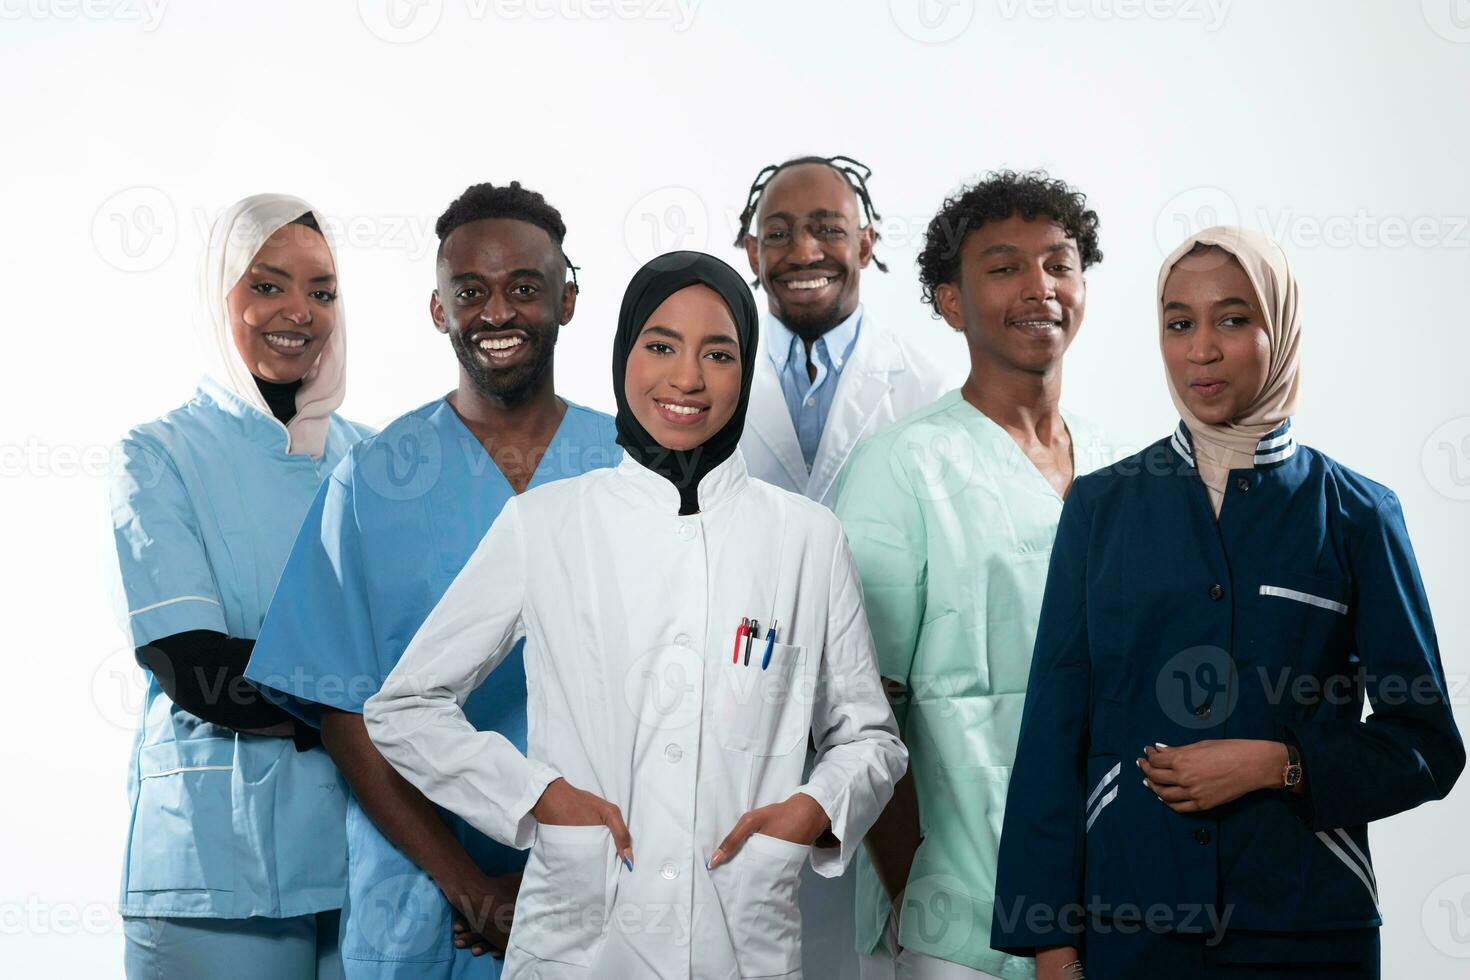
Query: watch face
point(1293, 775)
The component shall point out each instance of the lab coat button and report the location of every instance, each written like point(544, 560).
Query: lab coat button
point(1242, 483)
point(673, 753)
point(1216, 592)
point(682, 640)
point(687, 532)
point(1201, 836)
point(669, 871)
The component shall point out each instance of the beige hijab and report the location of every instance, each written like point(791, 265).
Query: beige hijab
point(1220, 448)
point(235, 238)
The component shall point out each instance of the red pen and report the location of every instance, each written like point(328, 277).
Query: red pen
point(740, 632)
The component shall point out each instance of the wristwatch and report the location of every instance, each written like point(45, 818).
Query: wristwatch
point(1293, 774)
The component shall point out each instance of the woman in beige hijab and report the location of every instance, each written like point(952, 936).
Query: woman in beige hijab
point(1195, 776)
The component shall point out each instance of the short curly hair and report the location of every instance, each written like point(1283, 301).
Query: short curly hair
point(504, 201)
point(997, 196)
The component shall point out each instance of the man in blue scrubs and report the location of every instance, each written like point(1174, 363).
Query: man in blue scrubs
point(427, 894)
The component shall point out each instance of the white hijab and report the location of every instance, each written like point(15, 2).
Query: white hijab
point(235, 238)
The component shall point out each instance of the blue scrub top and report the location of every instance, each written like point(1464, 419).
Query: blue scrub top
point(205, 504)
point(385, 537)
point(1281, 621)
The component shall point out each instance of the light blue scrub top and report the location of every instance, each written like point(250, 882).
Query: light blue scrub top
point(389, 531)
point(205, 504)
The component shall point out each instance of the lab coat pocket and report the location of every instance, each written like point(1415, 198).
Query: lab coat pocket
point(566, 893)
point(183, 829)
point(764, 712)
point(757, 889)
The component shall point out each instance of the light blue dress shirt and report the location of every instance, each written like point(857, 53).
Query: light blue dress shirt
point(810, 399)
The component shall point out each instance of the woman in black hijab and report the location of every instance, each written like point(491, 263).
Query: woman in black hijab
point(683, 446)
point(687, 627)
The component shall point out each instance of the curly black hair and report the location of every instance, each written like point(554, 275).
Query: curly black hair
point(1000, 195)
point(506, 201)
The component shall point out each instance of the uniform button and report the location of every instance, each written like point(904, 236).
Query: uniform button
point(1242, 483)
point(682, 640)
point(673, 753)
point(1201, 836)
point(687, 531)
point(669, 871)
point(1216, 592)
point(1203, 711)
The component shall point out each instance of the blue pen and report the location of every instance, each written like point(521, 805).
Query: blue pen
point(770, 642)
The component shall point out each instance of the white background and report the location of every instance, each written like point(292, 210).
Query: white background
point(1338, 126)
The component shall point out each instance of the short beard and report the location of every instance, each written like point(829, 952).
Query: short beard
point(507, 386)
point(810, 326)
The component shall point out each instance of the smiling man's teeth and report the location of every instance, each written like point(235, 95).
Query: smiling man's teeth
point(281, 340)
point(681, 409)
point(807, 283)
point(1035, 323)
point(500, 343)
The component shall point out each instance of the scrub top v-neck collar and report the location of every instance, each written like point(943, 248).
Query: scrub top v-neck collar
point(538, 476)
point(998, 432)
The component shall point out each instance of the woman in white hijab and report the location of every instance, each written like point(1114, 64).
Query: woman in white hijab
point(1219, 610)
point(235, 862)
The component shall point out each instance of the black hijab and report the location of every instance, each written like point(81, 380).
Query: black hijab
point(659, 279)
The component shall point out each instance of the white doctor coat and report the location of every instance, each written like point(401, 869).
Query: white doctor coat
point(885, 379)
point(629, 614)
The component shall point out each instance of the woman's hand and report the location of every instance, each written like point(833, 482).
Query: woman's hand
point(562, 804)
point(799, 820)
point(1199, 777)
point(1058, 963)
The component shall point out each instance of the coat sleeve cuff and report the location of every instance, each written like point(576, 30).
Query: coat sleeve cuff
point(522, 825)
point(831, 862)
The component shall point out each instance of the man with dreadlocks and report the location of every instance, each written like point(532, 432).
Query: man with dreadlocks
point(826, 376)
point(427, 895)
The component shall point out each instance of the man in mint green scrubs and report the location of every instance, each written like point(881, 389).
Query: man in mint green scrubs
point(951, 514)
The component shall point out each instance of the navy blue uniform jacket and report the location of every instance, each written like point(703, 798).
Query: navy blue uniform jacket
point(1160, 624)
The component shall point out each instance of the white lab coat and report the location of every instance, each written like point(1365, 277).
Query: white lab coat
point(885, 379)
point(629, 614)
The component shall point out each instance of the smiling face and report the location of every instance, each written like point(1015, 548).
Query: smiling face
point(683, 376)
point(284, 307)
point(808, 249)
point(502, 297)
point(1020, 295)
point(1216, 348)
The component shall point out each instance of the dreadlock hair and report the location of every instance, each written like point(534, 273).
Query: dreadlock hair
point(854, 172)
point(509, 201)
point(1000, 195)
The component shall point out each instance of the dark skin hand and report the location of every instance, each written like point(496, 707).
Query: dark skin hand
point(798, 820)
point(485, 904)
point(894, 839)
point(1199, 777)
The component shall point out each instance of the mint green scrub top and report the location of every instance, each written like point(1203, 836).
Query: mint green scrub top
point(952, 526)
